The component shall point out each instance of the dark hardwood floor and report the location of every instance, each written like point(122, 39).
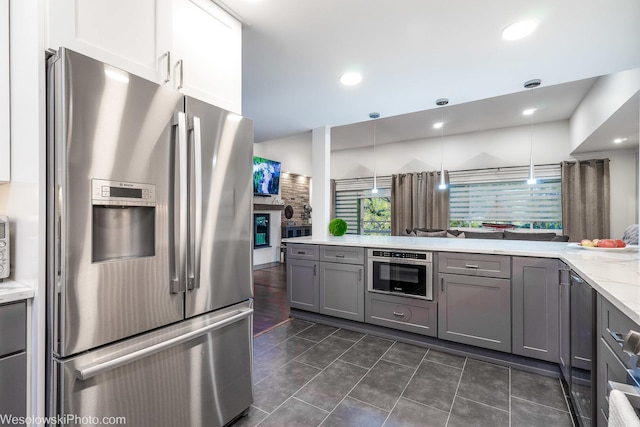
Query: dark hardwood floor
point(270, 306)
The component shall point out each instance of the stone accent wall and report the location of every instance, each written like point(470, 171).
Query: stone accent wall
point(294, 191)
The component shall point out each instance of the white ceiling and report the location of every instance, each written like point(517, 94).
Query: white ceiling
point(412, 52)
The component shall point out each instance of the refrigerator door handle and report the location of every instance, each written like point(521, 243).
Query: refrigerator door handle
point(195, 217)
point(84, 373)
point(179, 232)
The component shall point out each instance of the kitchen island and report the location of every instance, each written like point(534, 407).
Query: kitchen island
point(548, 307)
point(613, 274)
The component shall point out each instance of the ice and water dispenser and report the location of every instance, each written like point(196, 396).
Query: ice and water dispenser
point(124, 218)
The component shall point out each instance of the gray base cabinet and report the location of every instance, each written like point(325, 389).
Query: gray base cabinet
point(303, 284)
point(407, 314)
point(342, 279)
point(535, 309)
point(13, 359)
point(302, 277)
point(342, 290)
point(475, 310)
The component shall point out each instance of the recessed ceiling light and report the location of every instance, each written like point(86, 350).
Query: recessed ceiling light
point(619, 140)
point(529, 111)
point(438, 125)
point(519, 30)
point(350, 79)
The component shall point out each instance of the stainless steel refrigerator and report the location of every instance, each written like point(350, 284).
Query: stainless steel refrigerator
point(149, 251)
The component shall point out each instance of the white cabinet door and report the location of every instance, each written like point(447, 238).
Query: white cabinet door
point(132, 35)
point(208, 41)
point(5, 133)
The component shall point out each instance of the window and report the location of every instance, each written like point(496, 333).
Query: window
point(365, 213)
point(503, 196)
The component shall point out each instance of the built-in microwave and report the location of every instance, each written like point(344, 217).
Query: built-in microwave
point(400, 272)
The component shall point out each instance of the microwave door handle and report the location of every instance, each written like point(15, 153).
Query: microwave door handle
point(178, 223)
point(195, 215)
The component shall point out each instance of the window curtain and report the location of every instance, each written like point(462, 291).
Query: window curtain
point(416, 202)
point(585, 199)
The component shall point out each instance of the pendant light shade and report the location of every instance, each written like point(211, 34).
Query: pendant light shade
point(531, 84)
point(374, 116)
point(441, 103)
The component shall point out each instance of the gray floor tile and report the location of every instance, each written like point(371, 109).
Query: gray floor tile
point(277, 335)
point(412, 414)
point(352, 412)
point(538, 389)
point(405, 354)
point(529, 414)
point(325, 352)
point(278, 356)
point(317, 332)
point(367, 351)
point(485, 383)
point(294, 413)
point(252, 419)
point(383, 384)
point(446, 358)
point(331, 385)
point(466, 413)
point(277, 388)
point(434, 385)
point(348, 335)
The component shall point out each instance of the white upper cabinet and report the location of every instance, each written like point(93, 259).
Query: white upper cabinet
point(193, 45)
point(5, 131)
point(132, 35)
point(208, 42)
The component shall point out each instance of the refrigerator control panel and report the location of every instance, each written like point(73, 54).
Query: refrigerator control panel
point(119, 193)
point(4, 247)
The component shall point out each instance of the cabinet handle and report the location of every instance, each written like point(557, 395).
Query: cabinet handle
point(181, 66)
point(619, 338)
point(339, 255)
point(471, 265)
point(301, 253)
point(442, 284)
point(168, 76)
point(315, 268)
point(395, 313)
point(360, 275)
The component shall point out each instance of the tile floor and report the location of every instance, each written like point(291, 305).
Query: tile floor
point(308, 374)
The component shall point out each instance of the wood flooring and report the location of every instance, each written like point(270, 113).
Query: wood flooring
point(270, 304)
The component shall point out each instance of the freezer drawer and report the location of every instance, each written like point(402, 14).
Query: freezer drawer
point(193, 374)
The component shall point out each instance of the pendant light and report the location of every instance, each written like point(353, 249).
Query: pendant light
point(531, 84)
point(374, 116)
point(441, 103)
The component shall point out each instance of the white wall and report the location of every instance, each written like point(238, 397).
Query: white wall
point(487, 149)
point(23, 200)
point(294, 152)
point(606, 96)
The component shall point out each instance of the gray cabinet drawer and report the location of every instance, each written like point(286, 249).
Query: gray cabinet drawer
point(343, 254)
point(475, 264)
point(408, 314)
point(13, 327)
point(609, 369)
point(613, 321)
point(300, 251)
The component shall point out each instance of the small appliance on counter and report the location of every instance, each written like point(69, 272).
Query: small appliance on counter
point(5, 254)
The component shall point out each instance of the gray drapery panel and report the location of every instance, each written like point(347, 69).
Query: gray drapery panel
point(416, 201)
point(585, 199)
point(437, 201)
point(332, 197)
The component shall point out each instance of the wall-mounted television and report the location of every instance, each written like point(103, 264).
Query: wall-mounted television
point(266, 176)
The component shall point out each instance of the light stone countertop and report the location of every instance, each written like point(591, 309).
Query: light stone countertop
point(14, 291)
point(615, 275)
